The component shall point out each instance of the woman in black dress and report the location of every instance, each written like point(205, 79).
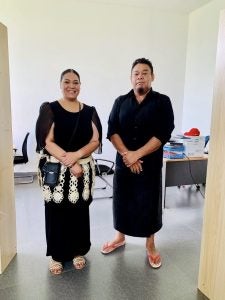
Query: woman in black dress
point(68, 131)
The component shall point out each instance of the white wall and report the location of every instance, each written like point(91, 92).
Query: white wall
point(201, 59)
point(100, 41)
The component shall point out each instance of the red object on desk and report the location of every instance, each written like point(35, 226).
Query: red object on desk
point(192, 132)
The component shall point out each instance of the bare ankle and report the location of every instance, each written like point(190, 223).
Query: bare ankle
point(119, 236)
point(150, 244)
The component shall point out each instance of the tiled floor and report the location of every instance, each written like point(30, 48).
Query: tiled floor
point(124, 274)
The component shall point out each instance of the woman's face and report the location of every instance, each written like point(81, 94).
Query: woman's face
point(70, 86)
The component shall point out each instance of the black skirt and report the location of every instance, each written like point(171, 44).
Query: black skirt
point(137, 202)
point(67, 226)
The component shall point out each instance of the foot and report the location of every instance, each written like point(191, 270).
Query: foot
point(55, 267)
point(79, 262)
point(154, 259)
point(111, 246)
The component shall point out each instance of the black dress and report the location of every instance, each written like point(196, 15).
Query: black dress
point(67, 213)
point(137, 203)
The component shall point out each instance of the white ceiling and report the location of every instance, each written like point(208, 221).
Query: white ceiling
point(182, 6)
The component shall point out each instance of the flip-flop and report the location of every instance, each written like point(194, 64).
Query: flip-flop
point(108, 248)
point(55, 267)
point(153, 260)
point(79, 262)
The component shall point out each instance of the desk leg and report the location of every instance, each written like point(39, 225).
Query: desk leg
point(164, 185)
point(164, 200)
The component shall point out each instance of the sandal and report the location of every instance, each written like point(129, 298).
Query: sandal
point(55, 267)
point(110, 247)
point(154, 261)
point(79, 262)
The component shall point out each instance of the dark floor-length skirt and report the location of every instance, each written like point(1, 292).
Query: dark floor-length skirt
point(137, 202)
point(68, 226)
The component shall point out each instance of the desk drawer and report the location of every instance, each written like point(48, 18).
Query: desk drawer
point(185, 172)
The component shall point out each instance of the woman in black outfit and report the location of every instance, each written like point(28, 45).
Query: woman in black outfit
point(68, 131)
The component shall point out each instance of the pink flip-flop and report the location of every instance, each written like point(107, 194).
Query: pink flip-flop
point(154, 261)
point(108, 248)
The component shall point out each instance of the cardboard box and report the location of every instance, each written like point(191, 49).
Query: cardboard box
point(194, 146)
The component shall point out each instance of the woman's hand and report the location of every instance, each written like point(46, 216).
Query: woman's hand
point(77, 170)
point(69, 158)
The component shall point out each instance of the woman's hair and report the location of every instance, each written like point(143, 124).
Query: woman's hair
point(144, 61)
point(69, 71)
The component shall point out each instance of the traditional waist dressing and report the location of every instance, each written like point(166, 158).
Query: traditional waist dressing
point(56, 194)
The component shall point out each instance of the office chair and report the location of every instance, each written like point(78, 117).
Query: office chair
point(207, 138)
point(23, 159)
point(102, 170)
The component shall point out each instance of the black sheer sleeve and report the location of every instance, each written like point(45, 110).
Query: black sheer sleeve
point(97, 122)
point(43, 125)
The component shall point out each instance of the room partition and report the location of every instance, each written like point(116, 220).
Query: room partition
point(212, 262)
point(7, 199)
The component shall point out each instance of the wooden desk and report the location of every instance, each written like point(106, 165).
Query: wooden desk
point(184, 171)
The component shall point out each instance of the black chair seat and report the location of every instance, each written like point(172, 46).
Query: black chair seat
point(19, 159)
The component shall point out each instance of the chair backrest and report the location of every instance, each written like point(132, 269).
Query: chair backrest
point(24, 148)
point(206, 147)
point(207, 137)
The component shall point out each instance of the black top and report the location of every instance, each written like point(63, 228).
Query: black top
point(65, 123)
point(137, 123)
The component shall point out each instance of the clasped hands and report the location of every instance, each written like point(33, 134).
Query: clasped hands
point(132, 161)
point(69, 159)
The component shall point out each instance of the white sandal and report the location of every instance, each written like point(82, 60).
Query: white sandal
point(55, 267)
point(79, 262)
